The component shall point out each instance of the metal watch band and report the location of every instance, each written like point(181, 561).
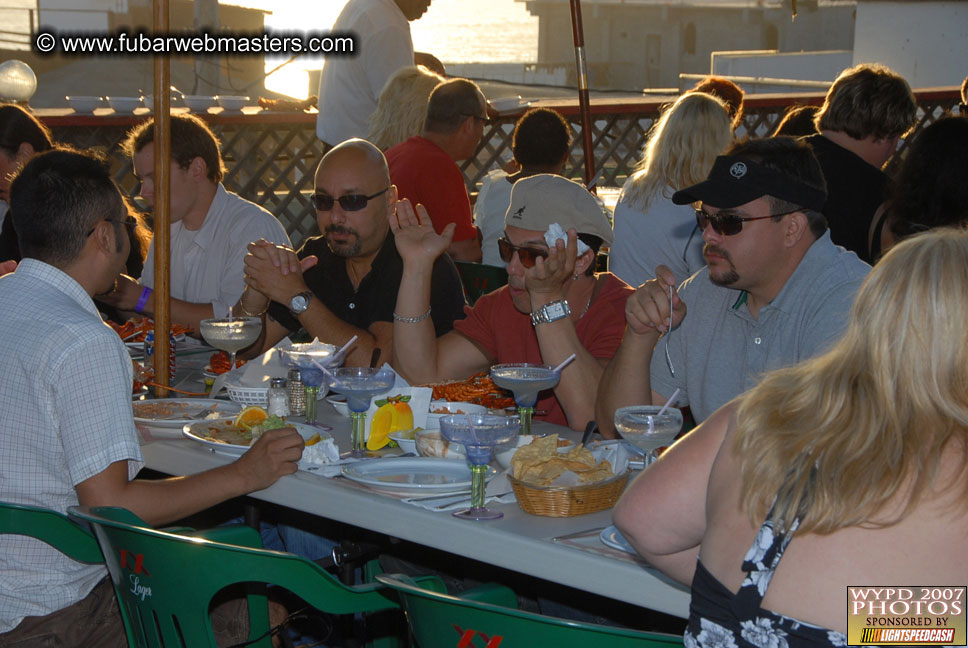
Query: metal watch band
point(551, 312)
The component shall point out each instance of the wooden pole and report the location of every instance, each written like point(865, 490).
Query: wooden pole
point(583, 106)
point(162, 212)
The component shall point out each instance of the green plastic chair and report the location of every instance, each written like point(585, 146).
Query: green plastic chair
point(165, 581)
point(441, 621)
point(51, 527)
point(479, 279)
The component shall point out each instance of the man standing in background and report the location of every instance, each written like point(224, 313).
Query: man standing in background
point(867, 110)
point(424, 167)
point(349, 86)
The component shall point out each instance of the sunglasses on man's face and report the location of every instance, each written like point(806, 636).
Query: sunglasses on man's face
point(728, 223)
point(526, 255)
point(349, 202)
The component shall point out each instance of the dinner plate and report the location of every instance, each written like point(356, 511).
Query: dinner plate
point(176, 412)
point(413, 474)
point(611, 537)
point(198, 431)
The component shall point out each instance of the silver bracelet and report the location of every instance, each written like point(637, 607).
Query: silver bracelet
point(411, 320)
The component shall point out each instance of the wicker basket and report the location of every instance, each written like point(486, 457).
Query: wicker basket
point(568, 501)
point(248, 395)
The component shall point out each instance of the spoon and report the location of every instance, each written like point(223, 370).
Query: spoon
point(590, 428)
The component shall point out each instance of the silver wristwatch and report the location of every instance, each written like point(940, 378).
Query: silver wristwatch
point(299, 303)
point(550, 312)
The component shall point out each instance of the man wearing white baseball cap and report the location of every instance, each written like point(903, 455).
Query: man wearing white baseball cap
point(554, 304)
point(775, 290)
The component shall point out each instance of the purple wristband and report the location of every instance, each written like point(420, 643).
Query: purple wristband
point(145, 294)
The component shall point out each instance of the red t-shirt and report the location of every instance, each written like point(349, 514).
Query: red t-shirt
point(507, 335)
point(425, 174)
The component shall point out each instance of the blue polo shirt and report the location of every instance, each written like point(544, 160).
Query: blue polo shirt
point(720, 350)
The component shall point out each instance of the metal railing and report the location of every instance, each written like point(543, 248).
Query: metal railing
point(272, 157)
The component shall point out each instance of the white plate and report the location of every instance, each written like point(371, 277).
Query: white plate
point(413, 475)
point(195, 432)
point(181, 407)
point(509, 103)
point(611, 537)
point(456, 407)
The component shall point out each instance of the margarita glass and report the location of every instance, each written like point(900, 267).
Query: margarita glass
point(312, 359)
point(231, 334)
point(646, 429)
point(479, 434)
point(525, 381)
point(359, 385)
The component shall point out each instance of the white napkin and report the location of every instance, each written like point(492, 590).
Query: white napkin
point(555, 233)
point(497, 490)
point(256, 372)
point(320, 456)
point(326, 461)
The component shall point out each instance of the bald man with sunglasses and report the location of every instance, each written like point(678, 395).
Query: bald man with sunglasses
point(344, 282)
point(554, 304)
point(775, 290)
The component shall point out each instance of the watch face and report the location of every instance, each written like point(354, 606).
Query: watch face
point(299, 303)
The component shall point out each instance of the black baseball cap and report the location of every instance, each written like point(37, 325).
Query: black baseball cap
point(735, 181)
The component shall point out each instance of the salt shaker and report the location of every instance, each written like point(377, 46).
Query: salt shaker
point(297, 393)
point(278, 398)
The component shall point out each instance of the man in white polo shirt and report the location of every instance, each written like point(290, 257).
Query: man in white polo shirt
point(350, 85)
point(774, 291)
point(211, 228)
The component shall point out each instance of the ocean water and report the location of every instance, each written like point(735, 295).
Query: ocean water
point(455, 31)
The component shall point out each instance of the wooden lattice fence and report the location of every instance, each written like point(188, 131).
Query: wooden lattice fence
point(271, 157)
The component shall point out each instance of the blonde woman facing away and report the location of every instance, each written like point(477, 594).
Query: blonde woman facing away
point(402, 107)
point(680, 151)
point(850, 467)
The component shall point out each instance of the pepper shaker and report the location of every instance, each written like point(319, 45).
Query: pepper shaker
point(297, 393)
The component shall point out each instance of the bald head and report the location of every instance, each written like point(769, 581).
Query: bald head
point(353, 184)
point(362, 154)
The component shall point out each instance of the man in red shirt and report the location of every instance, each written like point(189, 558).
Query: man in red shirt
point(554, 304)
point(424, 167)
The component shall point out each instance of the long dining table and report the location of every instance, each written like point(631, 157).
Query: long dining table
point(565, 550)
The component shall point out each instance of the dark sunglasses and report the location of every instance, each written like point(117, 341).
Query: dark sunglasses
point(527, 255)
point(349, 202)
point(729, 224)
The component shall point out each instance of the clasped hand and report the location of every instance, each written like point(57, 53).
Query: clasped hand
point(647, 310)
point(275, 271)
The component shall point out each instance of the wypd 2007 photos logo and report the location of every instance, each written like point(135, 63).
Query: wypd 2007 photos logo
point(906, 616)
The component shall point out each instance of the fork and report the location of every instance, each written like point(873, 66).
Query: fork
point(672, 369)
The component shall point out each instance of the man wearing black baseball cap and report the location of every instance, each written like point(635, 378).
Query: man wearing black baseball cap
point(775, 290)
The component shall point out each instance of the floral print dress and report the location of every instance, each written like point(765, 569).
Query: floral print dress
point(718, 618)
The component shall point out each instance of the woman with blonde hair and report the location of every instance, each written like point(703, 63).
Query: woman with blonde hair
point(850, 467)
point(649, 229)
point(402, 107)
